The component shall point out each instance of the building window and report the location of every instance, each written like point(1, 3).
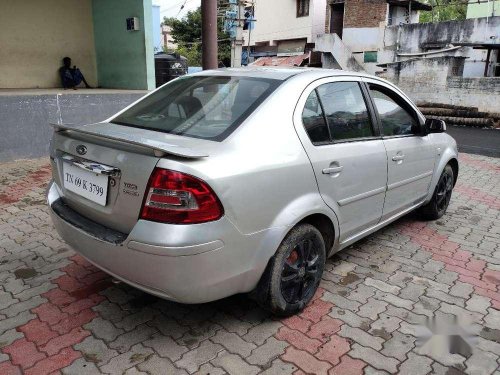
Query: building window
point(370, 56)
point(302, 8)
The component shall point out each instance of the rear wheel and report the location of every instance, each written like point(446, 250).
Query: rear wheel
point(441, 198)
point(294, 273)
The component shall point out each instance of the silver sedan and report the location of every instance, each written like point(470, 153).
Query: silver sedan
point(246, 180)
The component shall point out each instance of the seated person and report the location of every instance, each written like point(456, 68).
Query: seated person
point(71, 76)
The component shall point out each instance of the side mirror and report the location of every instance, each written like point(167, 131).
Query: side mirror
point(434, 126)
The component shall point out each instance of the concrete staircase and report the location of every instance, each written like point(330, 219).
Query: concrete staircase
point(336, 54)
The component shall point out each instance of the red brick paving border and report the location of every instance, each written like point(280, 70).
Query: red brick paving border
point(312, 340)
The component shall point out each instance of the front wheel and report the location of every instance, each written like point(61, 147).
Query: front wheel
point(294, 273)
point(441, 197)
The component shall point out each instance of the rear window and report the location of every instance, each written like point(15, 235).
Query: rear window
point(206, 107)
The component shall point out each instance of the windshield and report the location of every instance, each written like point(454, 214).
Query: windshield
point(207, 107)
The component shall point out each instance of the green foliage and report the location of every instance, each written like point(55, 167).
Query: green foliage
point(192, 53)
point(186, 32)
point(444, 10)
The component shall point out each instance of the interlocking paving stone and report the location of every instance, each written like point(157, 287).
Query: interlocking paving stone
point(278, 367)
point(234, 364)
point(103, 329)
point(165, 346)
point(267, 352)
point(478, 304)
point(81, 367)
point(372, 308)
point(193, 359)
point(260, 333)
point(208, 368)
point(125, 341)
point(371, 371)
point(415, 365)
point(233, 343)
point(374, 358)
point(398, 345)
point(158, 365)
point(482, 363)
point(95, 351)
point(305, 361)
point(15, 321)
point(59, 313)
point(492, 319)
point(124, 361)
point(361, 337)
point(383, 286)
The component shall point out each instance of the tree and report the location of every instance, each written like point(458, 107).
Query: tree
point(186, 32)
point(444, 10)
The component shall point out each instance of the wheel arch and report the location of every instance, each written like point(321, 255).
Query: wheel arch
point(325, 226)
point(323, 223)
point(453, 162)
point(449, 157)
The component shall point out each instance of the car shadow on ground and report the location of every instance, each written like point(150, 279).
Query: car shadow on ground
point(241, 310)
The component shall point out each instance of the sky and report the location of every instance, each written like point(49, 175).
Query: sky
point(170, 8)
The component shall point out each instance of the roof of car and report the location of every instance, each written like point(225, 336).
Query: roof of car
point(280, 73)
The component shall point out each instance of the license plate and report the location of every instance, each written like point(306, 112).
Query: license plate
point(92, 186)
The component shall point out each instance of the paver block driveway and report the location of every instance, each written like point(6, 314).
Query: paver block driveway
point(59, 314)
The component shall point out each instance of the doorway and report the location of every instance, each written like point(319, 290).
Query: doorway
point(337, 19)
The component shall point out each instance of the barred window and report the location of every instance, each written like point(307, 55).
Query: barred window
point(302, 8)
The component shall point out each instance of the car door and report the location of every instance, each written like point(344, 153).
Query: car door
point(410, 152)
point(334, 122)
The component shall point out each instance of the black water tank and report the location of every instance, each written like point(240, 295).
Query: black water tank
point(169, 66)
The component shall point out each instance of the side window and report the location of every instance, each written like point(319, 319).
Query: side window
point(345, 110)
point(395, 119)
point(314, 121)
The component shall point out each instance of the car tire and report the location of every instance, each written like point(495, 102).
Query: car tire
point(441, 197)
point(294, 273)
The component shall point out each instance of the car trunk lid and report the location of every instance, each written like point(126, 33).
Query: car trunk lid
point(103, 169)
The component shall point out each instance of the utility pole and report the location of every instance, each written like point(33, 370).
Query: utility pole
point(237, 43)
point(209, 34)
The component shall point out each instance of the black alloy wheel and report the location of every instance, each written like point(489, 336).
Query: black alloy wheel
point(293, 275)
point(444, 190)
point(441, 197)
point(301, 272)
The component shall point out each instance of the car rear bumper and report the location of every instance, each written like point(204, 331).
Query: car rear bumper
point(162, 259)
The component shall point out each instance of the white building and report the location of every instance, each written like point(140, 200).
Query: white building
point(167, 40)
point(285, 26)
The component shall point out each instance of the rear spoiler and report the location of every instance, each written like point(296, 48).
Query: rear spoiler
point(132, 136)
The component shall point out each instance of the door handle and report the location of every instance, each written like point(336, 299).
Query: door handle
point(398, 157)
point(333, 170)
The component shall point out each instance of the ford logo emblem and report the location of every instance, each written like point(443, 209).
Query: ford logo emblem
point(81, 149)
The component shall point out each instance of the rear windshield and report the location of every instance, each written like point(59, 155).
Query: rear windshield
point(207, 107)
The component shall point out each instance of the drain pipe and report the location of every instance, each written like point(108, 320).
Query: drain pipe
point(454, 48)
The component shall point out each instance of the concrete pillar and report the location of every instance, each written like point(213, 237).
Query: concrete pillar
point(125, 59)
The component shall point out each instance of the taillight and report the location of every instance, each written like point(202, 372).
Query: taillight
point(178, 198)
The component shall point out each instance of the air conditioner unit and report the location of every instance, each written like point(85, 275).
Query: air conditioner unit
point(133, 24)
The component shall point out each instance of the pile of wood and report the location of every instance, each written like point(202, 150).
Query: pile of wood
point(460, 115)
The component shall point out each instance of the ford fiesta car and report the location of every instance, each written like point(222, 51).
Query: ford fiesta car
point(246, 180)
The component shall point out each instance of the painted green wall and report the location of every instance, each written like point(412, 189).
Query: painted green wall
point(483, 9)
point(124, 58)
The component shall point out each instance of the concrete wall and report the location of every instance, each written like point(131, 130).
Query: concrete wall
point(432, 80)
point(486, 9)
point(483, 93)
point(37, 34)
point(156, 30)
point(277, 20)
point(25, 130)
point(124, 58)
point(409, 38)
point(399, 15)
